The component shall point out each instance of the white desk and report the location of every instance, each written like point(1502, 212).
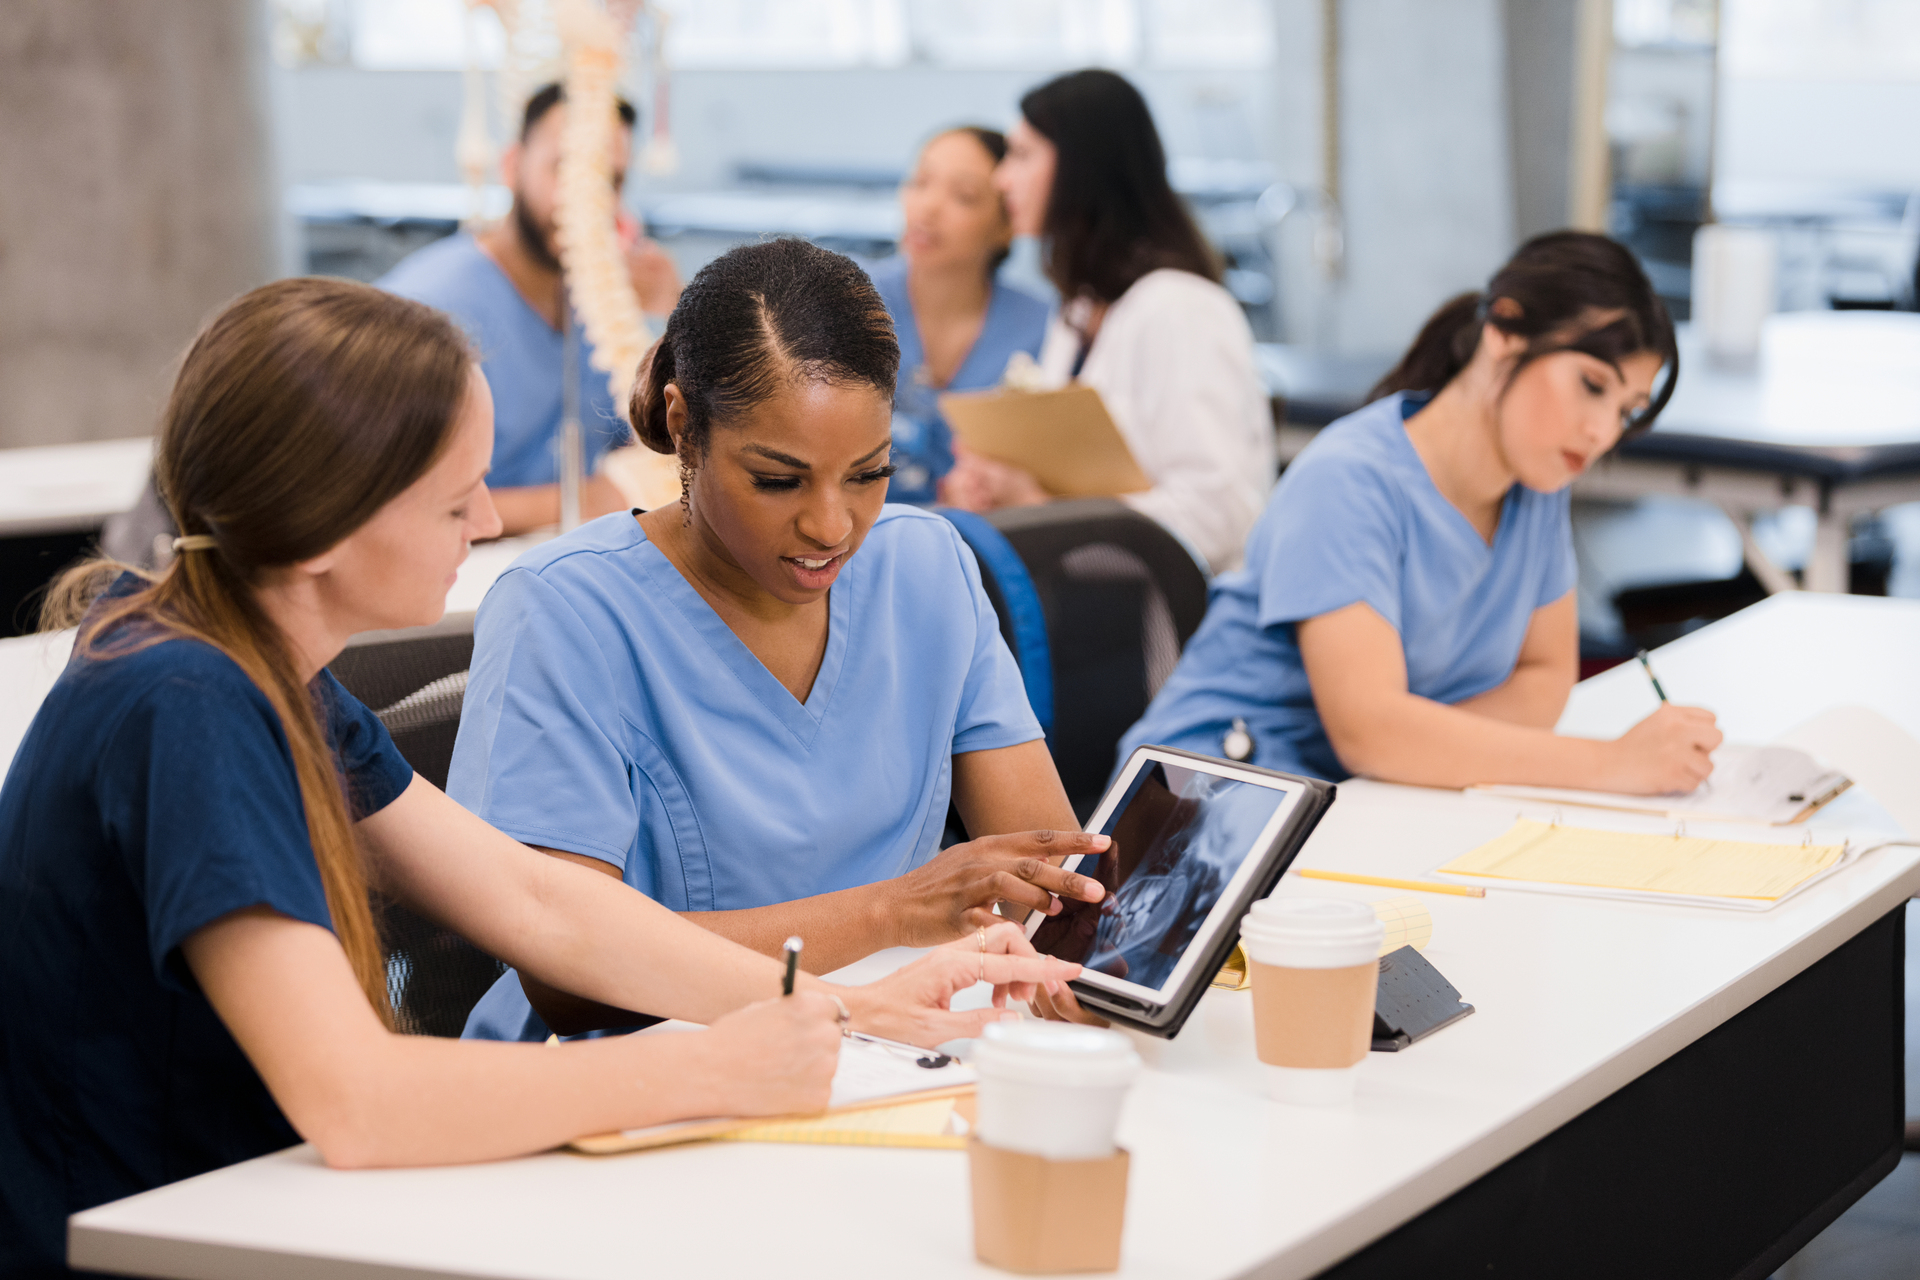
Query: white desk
point(1224, 1182)
point(70, 487)
point(1829, 417)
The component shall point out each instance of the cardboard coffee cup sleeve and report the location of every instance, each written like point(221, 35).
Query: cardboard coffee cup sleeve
point(1047, 1217)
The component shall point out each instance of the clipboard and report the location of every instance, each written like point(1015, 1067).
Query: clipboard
point(1065, 439)
point(673, 1135)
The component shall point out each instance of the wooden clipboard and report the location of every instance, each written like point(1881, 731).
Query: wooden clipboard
point(1065, 439)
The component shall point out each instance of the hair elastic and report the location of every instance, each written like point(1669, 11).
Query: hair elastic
point(196, 542)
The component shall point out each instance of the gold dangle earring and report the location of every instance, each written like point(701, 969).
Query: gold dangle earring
point(686, 494)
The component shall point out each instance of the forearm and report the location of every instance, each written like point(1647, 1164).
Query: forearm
point(590, 936)
point(1406, 738)
point(420, 1100)
point(366, 1096)
point(1533, 696)
point(837, 928)
point(1008, 789)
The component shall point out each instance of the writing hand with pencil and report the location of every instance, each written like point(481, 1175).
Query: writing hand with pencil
point(1668, 752)
point(773, 1058)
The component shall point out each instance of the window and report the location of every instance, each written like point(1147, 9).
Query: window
point(387, 35)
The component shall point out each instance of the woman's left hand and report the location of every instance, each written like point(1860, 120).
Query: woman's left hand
point(912, 1004)
point(977, 483)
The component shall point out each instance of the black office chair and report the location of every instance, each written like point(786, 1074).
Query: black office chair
point(1119, 596)
point(415, 680)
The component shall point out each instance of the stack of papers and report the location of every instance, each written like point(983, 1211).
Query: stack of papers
point(1774, 785)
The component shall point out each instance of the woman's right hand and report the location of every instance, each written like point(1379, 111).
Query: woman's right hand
point(1668, 752)
point(774, 1058)
point(954, 893)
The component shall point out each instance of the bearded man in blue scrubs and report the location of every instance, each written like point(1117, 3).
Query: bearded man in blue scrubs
point(503, 284)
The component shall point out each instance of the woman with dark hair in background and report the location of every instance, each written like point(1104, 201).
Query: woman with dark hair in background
point(1143, 318)
point(192, 822)
point(957, 323)
point(1407, 609)
point(754, 705)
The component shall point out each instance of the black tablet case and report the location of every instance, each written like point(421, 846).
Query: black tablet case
point(1166, 1020)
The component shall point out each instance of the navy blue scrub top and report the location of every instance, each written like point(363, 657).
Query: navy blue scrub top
point(154, 793)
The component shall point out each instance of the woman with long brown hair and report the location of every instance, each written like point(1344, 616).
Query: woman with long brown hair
point(1407, 609)
point(192, 823)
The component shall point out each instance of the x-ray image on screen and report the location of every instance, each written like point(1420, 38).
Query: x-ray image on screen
point(1178, 837)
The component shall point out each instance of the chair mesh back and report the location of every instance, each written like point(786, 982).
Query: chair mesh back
point(415, 682)
point(1122, 596)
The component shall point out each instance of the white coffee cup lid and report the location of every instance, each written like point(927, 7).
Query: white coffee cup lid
point(1055, 1052)
point(1313, 921)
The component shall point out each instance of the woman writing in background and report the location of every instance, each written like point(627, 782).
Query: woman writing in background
point(192, 822)
point(1407, 609)
point(1143, 318)
point(957, 324)
point(753, 706)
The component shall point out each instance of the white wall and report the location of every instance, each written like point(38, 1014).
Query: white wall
point(1853, 133)
point(399, 125)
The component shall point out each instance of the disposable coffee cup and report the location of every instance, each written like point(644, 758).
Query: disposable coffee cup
point(1051, 1089)
point(1315, 965)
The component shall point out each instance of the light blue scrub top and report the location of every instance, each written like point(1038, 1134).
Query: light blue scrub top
point(1356, 517)
point(611, 712)
point(522, 355)
point(922, 441)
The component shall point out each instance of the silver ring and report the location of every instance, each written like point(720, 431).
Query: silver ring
point(840, 1014)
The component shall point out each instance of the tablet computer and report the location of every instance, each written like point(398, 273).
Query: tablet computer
point(1196, 841)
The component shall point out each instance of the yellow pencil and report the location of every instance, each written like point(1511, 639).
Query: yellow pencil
point(1388, 882)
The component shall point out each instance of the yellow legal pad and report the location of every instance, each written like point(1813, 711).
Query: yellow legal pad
point(905, 1124)
point(1547, 853)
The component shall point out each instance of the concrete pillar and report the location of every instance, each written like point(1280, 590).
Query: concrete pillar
point(137, 197)
point(1426, 162)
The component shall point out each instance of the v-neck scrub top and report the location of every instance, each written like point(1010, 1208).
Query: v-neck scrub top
point(922, 441)
point(1357, 518)
point(611, 712)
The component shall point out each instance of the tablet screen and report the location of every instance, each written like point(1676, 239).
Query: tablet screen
point(1179, 837)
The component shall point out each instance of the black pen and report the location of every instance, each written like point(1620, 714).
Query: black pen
point(793, 963)
point(1648, 668)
